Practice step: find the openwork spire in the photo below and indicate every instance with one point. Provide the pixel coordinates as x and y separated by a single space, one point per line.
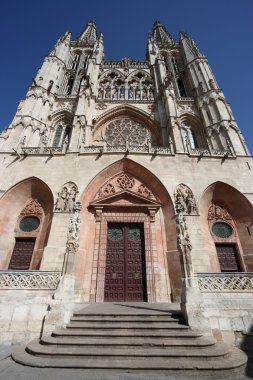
89 35
161 35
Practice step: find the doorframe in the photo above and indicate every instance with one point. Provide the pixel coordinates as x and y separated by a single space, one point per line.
99 259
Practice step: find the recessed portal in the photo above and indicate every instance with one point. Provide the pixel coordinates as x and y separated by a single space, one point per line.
125 276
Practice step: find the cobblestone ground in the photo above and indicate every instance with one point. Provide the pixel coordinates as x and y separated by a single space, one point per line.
9 370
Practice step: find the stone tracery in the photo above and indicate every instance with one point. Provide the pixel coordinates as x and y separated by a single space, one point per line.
120 131
114 85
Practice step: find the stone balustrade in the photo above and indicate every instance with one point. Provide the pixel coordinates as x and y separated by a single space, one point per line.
22 279
154 150
225 282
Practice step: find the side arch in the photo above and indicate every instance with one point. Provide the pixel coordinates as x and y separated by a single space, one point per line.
241 210
11 205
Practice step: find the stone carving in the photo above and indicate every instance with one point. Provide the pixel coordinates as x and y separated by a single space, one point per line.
183 242
101 106
125 182
121 131
72 244
144 191
32 208
106 191
114 85
66 198
185 199
29 280
220 282
216 212
43 139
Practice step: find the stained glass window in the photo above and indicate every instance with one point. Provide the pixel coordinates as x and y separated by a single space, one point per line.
222 230
29 223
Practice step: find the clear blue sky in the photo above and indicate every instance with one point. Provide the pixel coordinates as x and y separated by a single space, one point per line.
223 30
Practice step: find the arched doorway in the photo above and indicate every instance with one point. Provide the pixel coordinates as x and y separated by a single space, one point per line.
127 238
25 218
226 220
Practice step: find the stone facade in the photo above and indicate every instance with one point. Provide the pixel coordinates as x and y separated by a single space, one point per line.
97 142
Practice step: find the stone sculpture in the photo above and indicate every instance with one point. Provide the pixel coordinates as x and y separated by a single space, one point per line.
66 198
185 200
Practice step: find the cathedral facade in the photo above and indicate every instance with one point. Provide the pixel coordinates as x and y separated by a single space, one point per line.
125 181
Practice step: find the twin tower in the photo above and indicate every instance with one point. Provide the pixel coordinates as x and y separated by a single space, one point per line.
120 178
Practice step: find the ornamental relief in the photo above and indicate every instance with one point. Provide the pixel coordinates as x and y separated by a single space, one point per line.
32 208
185 201
123 182
216 212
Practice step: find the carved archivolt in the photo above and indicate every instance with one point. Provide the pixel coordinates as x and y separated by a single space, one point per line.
216 212
185 200
66 197
32 208
125 181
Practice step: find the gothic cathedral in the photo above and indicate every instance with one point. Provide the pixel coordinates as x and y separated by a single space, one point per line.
125 181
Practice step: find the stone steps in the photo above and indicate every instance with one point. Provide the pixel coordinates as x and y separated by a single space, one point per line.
220 350
119 333
127 342
126 325
149 338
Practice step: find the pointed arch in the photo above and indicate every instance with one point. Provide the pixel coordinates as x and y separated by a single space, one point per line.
145 74
235 203
107 73
11 205
130 112
192 131
153 207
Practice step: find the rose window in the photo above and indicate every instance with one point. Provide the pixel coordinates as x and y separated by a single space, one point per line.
119 132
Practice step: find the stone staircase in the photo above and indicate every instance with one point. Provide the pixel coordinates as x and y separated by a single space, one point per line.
133 337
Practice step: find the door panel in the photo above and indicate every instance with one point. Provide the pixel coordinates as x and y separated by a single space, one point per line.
227 257
125 266
22 254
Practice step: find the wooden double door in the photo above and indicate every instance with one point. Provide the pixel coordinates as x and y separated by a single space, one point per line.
125 278
22 254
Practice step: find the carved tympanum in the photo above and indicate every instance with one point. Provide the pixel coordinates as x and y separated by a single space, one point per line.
216 212
33 207
185 200
126 182
66 197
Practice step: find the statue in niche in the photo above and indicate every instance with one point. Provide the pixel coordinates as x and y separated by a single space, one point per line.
43 139
185 200
66 198
61 200
71 198
191 206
